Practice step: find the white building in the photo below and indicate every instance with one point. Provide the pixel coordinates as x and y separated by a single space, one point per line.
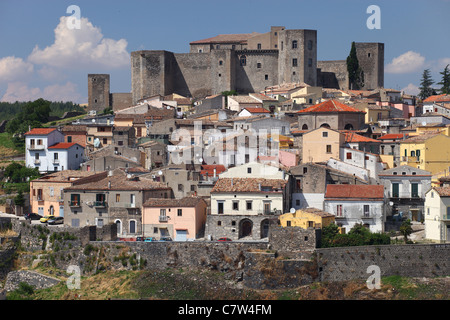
356 204
437 214
46 150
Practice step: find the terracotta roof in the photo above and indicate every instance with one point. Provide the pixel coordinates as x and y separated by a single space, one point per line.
352 137
438 97
443 191
393 136
354 191
74 128
178 203
40 131
317 212
119 181
248 185
208 169
65 176
227 38
64 145
330 106
256 110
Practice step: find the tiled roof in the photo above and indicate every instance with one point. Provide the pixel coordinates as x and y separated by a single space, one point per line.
119 181
317 212
244 99
256 110
208 169
174 203
438 97
40 131
443 191
352 137
65 176
74 128
421 138
330 106
354 191
227 38
393 136
248 185
64 145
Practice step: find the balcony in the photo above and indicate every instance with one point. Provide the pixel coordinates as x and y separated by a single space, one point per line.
130 205
55 161
100 204
37 161
163 218
36 147
446 217
74 203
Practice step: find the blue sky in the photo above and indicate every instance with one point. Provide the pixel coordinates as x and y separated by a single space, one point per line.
40 56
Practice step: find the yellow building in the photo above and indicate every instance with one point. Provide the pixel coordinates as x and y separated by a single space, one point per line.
321 144
307 95
374 113
430 152
307 218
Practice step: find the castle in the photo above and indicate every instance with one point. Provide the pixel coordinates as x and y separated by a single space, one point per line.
242 62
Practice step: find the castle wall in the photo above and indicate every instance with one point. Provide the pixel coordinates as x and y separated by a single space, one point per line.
332 74
371 60
98 92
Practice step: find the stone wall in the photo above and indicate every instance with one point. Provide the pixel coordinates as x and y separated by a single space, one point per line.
294 242
338 264
37 280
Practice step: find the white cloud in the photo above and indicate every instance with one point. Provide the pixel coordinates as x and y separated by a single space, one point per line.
82 48
19 91
13 69
406 63
411 89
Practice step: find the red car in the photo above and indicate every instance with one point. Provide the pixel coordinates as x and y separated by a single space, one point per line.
223 239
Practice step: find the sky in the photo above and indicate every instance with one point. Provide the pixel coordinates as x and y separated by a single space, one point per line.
42 55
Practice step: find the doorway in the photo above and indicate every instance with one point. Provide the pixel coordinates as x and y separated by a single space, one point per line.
245 228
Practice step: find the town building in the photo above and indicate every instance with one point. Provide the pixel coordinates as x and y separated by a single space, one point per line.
437 214
307 218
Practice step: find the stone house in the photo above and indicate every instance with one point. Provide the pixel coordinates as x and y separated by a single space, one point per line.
356 204
113 197
390 147
155 154
243 207
47 192
124 136
109 162
75 134
405 188
330 114
181 219
437 214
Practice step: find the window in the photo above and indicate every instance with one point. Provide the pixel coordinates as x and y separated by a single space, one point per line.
52 192
219 223
258 65
39 194
309 62
349 155
75 199
243 61
325 134
266 207
180 187
288 223
395 190
220 207
69 139
266 77
249 170
328 148
282 45
120 143
55 156
305 170
105 141
117 197
294 62
180 212
310 44
339 210
249 205
366 210
220 62
294 44
235 205
258 46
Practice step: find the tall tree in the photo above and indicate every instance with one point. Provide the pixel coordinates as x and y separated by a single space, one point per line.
355 73
425 85
445 82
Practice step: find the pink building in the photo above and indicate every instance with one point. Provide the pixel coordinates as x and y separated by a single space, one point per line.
179 219
409 110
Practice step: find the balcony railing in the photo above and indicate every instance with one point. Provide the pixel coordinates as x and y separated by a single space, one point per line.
36 147
100 204
74 203
55 161
130 205
163 218
37 161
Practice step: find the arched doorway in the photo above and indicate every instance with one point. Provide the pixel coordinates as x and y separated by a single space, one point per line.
52 210
119 226
245 228
305 127
265 228
325 125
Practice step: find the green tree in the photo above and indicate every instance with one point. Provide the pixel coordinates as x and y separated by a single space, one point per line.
355 73
406 229
19 200
425 85
445 82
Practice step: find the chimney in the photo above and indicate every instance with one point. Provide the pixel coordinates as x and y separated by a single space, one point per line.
215 172
109 184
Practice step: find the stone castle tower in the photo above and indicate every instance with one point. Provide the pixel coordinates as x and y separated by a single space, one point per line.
242 62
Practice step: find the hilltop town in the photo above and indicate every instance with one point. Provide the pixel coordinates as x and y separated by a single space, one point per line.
242 140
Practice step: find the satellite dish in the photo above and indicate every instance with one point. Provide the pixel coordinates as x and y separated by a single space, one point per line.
160 172
292 210
129 176
96 142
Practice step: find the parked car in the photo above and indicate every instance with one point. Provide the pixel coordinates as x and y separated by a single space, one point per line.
32 216
56 220
45 219
165 238
223 239
149 239
140 238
